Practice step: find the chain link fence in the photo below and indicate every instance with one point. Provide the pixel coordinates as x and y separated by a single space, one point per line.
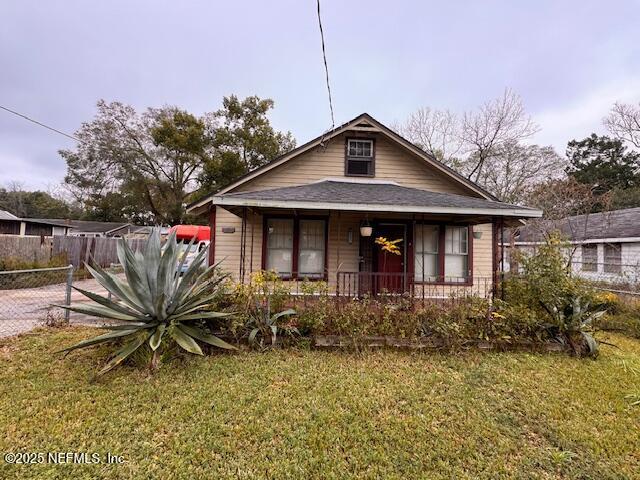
28 298
620 278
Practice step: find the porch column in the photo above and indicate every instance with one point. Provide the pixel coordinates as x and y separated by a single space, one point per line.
212 235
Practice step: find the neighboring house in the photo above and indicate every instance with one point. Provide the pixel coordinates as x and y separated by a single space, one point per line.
315 212
87 228
603 246
12 225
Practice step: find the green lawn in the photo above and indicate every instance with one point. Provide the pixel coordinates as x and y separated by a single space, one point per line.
312 414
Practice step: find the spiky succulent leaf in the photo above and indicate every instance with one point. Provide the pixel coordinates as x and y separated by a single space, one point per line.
107 337
156 338
154 299
205 337
185 341
124 352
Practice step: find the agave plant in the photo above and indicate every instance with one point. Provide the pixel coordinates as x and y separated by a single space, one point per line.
154 302
262 325
574 319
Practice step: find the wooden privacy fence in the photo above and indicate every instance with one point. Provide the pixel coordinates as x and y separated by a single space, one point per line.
81 250
76 250
28 249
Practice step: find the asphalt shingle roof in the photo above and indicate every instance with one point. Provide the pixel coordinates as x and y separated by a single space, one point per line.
614 224
82 225
329 191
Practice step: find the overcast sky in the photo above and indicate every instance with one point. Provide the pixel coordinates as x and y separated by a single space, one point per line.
569 60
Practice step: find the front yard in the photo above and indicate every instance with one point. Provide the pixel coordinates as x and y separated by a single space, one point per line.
313 414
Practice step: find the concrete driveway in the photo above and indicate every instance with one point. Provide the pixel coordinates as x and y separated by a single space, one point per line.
24 309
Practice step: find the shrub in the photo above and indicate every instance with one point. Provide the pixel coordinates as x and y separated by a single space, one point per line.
562 301
624 317
263 325
263 285
154 302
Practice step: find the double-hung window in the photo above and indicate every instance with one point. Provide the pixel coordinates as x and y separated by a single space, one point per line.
441 253
612 258
456 254
359 159
295 248
590 257
311 245
280 246
426 257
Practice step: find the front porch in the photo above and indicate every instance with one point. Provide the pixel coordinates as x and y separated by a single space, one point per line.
437 256
335 231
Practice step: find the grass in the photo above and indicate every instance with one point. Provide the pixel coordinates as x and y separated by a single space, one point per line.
313 414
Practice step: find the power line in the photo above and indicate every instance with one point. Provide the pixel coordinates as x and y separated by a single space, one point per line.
326 68
40 123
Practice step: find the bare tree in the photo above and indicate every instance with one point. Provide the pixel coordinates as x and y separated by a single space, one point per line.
516 169
623 122
435 131
564 198
493 125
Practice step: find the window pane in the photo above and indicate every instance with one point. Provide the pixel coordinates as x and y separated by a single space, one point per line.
312 248
430 263
590 258
427 238
280 245
280 261
456 249
455 267
456 240
359 167
360 148
426 252
612 258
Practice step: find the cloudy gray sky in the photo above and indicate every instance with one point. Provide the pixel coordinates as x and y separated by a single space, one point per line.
569 60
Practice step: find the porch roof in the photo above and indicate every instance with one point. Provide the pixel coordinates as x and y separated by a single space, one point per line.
370 197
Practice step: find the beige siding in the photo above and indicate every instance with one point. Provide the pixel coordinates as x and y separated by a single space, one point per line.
392 163
228 245
341 255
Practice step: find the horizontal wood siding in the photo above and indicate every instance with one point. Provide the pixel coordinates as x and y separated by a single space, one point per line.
341 255
228 245
392 164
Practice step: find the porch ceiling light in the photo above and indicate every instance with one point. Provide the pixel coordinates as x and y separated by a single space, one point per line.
365 229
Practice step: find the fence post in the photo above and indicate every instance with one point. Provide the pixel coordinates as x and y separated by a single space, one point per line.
67 313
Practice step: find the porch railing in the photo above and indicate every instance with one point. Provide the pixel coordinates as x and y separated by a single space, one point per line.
358 284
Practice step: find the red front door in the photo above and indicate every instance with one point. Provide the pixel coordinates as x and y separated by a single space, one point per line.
390 268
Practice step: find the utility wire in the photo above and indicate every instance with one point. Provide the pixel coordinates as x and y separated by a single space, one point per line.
326 68
41 124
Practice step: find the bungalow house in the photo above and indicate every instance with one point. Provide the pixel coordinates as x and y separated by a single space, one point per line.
603 246
316 212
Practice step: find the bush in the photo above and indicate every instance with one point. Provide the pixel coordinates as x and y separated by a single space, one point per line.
453 323
623 317
564 303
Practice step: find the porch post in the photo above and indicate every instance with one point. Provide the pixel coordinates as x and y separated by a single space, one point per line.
243 242
212 234
251 252
494 263
501 264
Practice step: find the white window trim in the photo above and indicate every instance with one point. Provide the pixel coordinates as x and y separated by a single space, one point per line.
363 140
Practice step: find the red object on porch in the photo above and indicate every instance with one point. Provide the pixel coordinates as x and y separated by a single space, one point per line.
186 232
390 266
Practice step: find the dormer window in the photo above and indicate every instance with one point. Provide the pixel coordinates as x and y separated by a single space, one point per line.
359 158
